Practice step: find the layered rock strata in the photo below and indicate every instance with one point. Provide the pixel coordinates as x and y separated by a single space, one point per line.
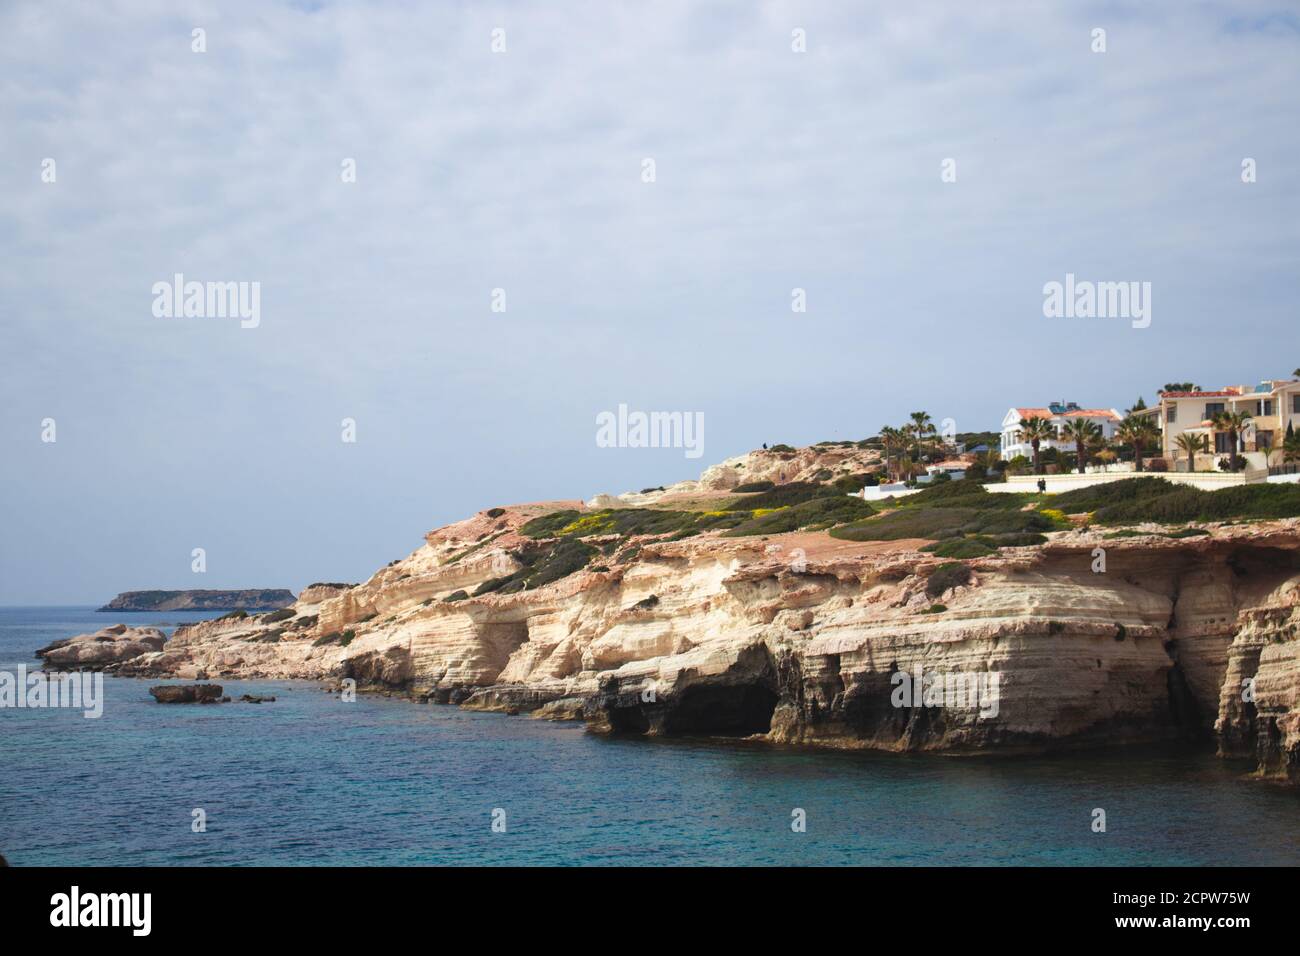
804 639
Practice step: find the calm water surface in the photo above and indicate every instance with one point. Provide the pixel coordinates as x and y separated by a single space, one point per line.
309 779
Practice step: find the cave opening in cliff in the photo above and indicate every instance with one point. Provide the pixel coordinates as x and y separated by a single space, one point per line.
736 710
1256 560
629 720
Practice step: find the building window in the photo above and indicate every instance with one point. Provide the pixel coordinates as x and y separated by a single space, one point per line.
1213 408
1295 404
1264 408
1263 440
1173 414
1223 443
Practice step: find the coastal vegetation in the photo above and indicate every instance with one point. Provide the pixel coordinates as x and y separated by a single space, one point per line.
1154 499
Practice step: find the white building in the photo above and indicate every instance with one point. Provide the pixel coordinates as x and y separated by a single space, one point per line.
1273 407
1058 415
955 470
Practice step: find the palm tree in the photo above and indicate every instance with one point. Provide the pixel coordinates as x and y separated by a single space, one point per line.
1138 431
1083 433
991 459
920 426
1192 443
1180 387
1036 430
1291 448
1234 423
892 438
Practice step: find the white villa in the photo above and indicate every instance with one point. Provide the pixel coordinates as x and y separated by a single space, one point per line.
1058 413
1273 406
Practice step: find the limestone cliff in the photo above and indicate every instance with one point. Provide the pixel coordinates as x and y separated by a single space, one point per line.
802 638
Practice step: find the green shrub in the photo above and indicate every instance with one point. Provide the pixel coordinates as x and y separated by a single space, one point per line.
330 638
961 548
944 548
646 603
455 596
819 513
964 494
947 576
909 523
281 615
938 523
542 565
495 512
796 492
347 637
625 522
754 486
851 484
1136 500
238 615
1014 522
1020 539
1110 493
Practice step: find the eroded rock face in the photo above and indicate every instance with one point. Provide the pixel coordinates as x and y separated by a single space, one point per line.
1259 710
805 639
111 645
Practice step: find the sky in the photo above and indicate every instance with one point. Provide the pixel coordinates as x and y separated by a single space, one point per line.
524 169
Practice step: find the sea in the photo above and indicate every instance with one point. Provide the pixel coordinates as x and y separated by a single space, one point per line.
310 779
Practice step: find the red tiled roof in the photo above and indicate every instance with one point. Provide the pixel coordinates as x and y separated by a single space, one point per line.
1073 413
1219 394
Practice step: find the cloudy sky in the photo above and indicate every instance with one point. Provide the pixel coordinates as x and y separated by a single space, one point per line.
522 170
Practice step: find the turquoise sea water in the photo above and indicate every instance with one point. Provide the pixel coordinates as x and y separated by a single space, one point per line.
309 779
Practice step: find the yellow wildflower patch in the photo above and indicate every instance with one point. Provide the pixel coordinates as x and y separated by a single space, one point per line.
587 524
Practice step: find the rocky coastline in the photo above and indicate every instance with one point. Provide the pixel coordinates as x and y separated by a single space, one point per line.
800 638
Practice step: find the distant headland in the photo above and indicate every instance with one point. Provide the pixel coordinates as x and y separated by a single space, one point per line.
251 599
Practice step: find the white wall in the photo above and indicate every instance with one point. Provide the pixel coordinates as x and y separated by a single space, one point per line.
1206 481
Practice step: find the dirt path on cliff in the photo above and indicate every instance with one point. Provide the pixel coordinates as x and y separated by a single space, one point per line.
820 546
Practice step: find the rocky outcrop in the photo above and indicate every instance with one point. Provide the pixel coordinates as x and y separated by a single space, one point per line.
805 639
186 693
256 599
106 647
779 464
1259 709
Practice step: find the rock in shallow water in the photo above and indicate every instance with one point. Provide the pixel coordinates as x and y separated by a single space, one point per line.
108 646
186 693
